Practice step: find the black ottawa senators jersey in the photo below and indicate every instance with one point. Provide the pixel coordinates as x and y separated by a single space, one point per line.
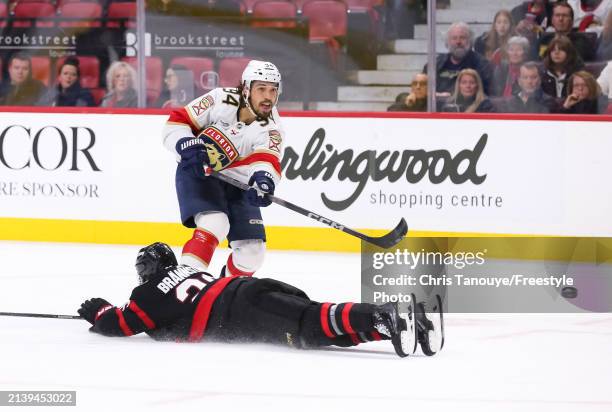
175 305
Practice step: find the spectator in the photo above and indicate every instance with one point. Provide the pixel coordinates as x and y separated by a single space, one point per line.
605 80
416 100
604 45
468 96
584 95
505 76
490 43
120 81
20 89
560 62
68 91
460 56
177 93
530 98
590 14
532 17
562 24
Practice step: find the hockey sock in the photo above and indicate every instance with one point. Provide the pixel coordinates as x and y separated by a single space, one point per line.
343 324
232 270
198 250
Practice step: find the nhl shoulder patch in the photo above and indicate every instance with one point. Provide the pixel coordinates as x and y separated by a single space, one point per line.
219 148
275 140
204 104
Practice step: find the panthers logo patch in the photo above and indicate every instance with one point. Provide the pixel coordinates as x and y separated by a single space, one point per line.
275 140
220 150
203 105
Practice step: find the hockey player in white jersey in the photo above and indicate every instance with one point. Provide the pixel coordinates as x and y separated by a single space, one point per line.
233 131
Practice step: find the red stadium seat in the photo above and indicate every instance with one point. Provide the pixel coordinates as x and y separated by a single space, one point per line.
230 70
89 66
33 10
274 9
203 68
609 111
154 76
248 5
98 93
299 4
84 11
122 10
327 19
41 69
3 14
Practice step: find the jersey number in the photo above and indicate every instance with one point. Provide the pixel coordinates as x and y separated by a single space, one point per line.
190 287
231 100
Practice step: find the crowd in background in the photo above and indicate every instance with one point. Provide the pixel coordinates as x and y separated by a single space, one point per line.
540 57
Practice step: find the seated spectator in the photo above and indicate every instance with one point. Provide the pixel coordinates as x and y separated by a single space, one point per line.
562 24
530 98
605 80
120 82
460 56
560 62
505 76
604 42
20 89
68 90
589 15
416 100
179 87
468 96
496 38
532 17
584 95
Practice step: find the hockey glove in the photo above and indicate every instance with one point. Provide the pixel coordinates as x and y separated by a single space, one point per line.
193 155
261 182
92 309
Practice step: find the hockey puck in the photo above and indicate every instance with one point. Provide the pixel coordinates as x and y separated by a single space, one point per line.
569 292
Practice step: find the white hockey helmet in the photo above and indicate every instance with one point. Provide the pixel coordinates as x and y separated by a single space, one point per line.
262 71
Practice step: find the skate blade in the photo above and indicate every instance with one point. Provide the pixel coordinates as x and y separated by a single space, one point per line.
408 336
435 336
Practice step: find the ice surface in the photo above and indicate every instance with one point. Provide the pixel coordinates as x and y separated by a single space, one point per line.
489 363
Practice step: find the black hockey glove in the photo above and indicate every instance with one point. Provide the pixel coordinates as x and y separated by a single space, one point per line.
193 155
92 309
263 182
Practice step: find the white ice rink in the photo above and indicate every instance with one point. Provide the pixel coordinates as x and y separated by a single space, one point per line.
489 363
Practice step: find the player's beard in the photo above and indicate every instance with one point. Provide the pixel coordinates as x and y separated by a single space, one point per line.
258 113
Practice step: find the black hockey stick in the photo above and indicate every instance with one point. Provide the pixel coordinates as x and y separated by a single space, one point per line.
390 239
39 315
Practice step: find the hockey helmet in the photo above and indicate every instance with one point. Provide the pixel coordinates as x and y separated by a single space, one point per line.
152 259
262 71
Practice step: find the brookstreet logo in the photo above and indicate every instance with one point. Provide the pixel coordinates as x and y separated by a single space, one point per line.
412 164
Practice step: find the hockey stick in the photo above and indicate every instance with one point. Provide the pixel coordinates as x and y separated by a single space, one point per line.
390 239
39 315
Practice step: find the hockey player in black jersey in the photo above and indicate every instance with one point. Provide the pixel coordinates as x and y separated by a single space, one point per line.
178 302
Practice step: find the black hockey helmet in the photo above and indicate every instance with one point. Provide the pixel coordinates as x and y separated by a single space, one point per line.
152 259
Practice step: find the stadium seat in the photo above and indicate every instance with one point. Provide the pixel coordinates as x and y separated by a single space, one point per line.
122 10
299 4
360 5
98 93
41 69
202 68
3 14
327 19
609 111
33 10
154 76
230 70
595 68
81 10
89 67
248 5
274 9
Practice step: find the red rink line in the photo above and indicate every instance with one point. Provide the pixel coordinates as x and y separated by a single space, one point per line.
368 115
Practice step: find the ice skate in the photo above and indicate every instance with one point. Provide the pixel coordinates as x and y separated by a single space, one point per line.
400 327
430 325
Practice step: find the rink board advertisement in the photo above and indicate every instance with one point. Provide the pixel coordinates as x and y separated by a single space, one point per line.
107 178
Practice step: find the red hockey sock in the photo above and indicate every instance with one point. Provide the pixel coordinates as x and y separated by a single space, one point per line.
232 270
201 246
346 319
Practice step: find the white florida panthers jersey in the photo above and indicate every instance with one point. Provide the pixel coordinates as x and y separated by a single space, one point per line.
233 147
